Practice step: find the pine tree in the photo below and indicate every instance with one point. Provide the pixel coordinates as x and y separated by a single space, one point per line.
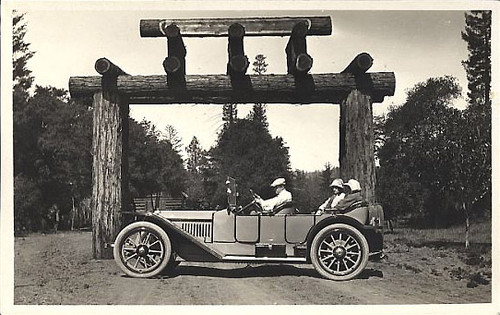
260 65
326 178
259 110
477 34
21 75
472 185
172 136
247 152
194 156
229 114
154 165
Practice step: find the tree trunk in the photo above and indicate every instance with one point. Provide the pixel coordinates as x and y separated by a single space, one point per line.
357 159
73 213
110 112
467 225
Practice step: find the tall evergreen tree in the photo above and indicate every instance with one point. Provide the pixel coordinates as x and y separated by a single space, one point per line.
326 178
24 137
153 163
259 110
22 78
194 156
260 64
477 34
198 171
172 136
472 185
247 152
229 114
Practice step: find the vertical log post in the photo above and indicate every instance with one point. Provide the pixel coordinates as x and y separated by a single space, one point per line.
175 63
237 64
297 60
237 60
110 160
357 157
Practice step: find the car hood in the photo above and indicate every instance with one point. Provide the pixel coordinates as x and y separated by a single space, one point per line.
187 214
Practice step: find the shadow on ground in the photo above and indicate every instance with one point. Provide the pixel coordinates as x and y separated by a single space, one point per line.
250 271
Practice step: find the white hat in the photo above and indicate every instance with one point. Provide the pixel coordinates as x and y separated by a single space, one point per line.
337 183
354 185
278 182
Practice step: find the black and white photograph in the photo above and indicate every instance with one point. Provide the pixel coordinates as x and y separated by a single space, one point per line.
280 156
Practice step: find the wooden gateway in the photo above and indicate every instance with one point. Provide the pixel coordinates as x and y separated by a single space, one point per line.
113 91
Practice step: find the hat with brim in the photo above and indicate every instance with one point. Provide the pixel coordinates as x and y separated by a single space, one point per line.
278 182
353 185
339 183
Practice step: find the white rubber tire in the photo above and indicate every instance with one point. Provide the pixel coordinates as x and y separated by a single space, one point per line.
354 250
162 243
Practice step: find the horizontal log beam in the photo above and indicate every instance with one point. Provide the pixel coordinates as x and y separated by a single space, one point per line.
218 27
217 89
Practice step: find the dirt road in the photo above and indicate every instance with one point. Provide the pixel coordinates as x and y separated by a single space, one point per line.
58 269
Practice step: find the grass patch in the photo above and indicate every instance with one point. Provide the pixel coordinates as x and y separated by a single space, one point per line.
454 236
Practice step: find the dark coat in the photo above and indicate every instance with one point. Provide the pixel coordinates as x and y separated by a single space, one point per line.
348 201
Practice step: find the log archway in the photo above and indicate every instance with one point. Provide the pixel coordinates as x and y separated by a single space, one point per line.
353 89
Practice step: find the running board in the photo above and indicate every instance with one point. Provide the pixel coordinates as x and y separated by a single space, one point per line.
264 259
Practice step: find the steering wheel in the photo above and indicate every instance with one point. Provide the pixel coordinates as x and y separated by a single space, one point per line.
252 203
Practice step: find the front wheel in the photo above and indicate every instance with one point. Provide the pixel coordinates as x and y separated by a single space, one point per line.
142 249
339 252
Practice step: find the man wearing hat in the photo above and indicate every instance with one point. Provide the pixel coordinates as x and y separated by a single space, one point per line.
282 197
337 194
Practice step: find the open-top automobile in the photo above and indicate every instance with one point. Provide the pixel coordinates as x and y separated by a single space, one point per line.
338 245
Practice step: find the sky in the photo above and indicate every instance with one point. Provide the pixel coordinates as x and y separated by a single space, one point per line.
415 45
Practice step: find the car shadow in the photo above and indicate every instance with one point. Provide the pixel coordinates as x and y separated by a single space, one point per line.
370 273
247 271
250 271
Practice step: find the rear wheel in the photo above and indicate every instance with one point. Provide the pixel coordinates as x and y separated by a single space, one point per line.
339 252
142 249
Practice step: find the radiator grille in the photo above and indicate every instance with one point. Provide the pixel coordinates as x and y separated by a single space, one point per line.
198 229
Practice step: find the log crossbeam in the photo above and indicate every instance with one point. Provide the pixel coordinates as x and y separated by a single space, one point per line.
219 27
218 89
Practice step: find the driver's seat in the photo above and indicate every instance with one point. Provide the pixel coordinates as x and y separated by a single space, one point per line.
286 208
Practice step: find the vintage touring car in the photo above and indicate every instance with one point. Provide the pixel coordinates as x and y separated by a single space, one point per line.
337 244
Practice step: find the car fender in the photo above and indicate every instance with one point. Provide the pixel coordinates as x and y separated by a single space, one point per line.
328 221
175 232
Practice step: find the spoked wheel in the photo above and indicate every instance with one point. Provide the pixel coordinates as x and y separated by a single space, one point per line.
142 249
339 252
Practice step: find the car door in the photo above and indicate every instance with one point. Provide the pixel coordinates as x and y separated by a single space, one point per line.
247 228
